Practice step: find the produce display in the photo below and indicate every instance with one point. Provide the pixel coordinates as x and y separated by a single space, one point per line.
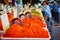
28 26
31 28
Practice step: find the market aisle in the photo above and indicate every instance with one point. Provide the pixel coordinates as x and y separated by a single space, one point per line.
55 33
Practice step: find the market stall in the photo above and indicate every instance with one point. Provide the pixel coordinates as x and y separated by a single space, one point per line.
23 24
30 27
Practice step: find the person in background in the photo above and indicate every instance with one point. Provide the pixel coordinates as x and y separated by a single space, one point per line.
47 15
51 7
49 24
59 10
43 12
55 12
47 9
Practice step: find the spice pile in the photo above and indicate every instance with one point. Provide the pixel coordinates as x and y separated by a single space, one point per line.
31 28
10 17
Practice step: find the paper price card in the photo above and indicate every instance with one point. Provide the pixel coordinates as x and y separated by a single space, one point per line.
5 22
15 13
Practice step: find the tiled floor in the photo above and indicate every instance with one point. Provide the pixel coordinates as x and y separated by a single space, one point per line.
55 33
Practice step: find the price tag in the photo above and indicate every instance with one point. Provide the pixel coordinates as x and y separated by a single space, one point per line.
5 22
15 13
